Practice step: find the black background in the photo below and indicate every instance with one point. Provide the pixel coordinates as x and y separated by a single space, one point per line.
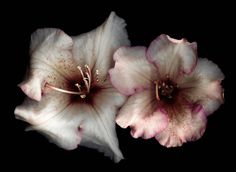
210 26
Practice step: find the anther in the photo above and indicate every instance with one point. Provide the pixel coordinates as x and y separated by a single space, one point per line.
78 86
83 96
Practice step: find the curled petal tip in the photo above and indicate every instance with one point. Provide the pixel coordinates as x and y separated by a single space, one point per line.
29 91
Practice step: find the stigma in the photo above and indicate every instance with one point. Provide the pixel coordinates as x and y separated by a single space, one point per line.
84 87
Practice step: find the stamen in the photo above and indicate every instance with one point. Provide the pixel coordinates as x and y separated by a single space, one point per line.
88 76
63 91
87 82
88 69
78 86
157 95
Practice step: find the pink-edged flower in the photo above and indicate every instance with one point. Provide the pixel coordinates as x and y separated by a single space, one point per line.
171 92
70 98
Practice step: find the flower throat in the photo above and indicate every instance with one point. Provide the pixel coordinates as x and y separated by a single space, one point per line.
83 89
165 89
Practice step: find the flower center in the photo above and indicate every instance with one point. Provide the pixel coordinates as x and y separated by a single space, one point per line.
84 88
165 89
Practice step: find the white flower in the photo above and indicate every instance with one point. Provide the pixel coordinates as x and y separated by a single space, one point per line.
70 98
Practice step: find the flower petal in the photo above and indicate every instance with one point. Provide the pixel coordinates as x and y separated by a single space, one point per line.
206 88
51 116
51 48
187 127
140 112
172 56
67 122
104 106
132 72
96 48
51 61
208 70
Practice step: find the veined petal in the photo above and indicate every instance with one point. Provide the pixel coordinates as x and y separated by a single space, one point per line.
68 122
203 85
132 72
51 62
54 117
96 48
51 48
36 113
172 57
141 113
188 126
104 108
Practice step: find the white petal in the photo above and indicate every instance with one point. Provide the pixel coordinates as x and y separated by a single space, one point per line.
52 117
51 62
51 49
102 127
208 70
172 57
96 48
203 85
132 72
36 113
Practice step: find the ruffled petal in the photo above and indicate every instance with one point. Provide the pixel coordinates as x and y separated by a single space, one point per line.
188 126
68 122
132 72
141 113
96 48
203 85
172 57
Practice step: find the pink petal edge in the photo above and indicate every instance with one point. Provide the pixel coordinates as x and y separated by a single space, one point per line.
132 86
190 129
193 45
